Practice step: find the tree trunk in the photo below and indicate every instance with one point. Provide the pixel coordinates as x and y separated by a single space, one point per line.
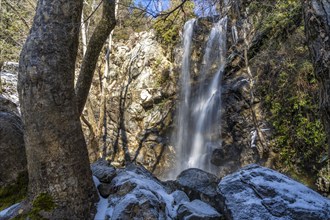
56 151
317 29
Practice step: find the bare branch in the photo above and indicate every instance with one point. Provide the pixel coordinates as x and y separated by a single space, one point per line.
100 35
18 14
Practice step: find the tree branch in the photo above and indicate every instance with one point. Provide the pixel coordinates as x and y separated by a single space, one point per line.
101 33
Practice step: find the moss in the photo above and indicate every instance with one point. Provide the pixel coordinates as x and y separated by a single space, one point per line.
289 92
14 193
43 202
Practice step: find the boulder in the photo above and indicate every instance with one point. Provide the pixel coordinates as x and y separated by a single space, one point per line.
197 210
12 149
137 194
198 184
103 171
255 192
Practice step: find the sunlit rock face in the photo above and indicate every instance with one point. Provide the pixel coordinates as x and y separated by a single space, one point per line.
140 103
145 96
8 85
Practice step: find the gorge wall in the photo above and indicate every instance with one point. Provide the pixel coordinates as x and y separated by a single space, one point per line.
269 97
143 94
269 102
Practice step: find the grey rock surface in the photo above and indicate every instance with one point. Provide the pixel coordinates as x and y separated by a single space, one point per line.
12 149
197 209
103 171
255 192
198 184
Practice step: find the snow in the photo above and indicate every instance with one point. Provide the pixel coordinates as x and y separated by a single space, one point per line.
261 187
143 185
201 208
299 195
253 138
9 84
102 205
8 210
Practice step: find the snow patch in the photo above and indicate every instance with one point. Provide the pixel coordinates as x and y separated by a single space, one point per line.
8 211
102 205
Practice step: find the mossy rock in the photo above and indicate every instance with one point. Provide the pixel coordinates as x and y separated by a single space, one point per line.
14 193
42 203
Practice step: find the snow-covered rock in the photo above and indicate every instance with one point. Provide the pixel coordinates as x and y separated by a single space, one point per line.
103 171
8 212
8 77
135 193
252 193
197 209
256 192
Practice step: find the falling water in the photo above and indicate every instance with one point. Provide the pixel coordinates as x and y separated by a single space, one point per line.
183 125
199 110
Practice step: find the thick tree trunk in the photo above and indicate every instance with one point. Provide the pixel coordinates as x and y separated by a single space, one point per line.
57 156
317 28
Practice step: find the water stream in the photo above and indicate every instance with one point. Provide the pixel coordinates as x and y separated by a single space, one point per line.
199 112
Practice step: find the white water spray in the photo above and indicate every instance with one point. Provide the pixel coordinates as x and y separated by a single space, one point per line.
199 109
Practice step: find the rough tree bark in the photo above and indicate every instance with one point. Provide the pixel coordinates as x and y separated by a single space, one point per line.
317 29
56 151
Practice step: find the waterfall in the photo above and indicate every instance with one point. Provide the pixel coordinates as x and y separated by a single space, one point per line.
182 123
198 117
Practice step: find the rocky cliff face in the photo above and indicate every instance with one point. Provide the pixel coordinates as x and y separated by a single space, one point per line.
267 80
143 96
140 103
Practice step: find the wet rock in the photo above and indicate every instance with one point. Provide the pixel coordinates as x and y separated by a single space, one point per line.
196 210
198 184
105 189
256 192
103 171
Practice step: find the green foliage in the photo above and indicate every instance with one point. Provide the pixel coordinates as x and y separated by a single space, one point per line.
290 90
167 28
131 20
276 18
14 193
15 20
43 202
